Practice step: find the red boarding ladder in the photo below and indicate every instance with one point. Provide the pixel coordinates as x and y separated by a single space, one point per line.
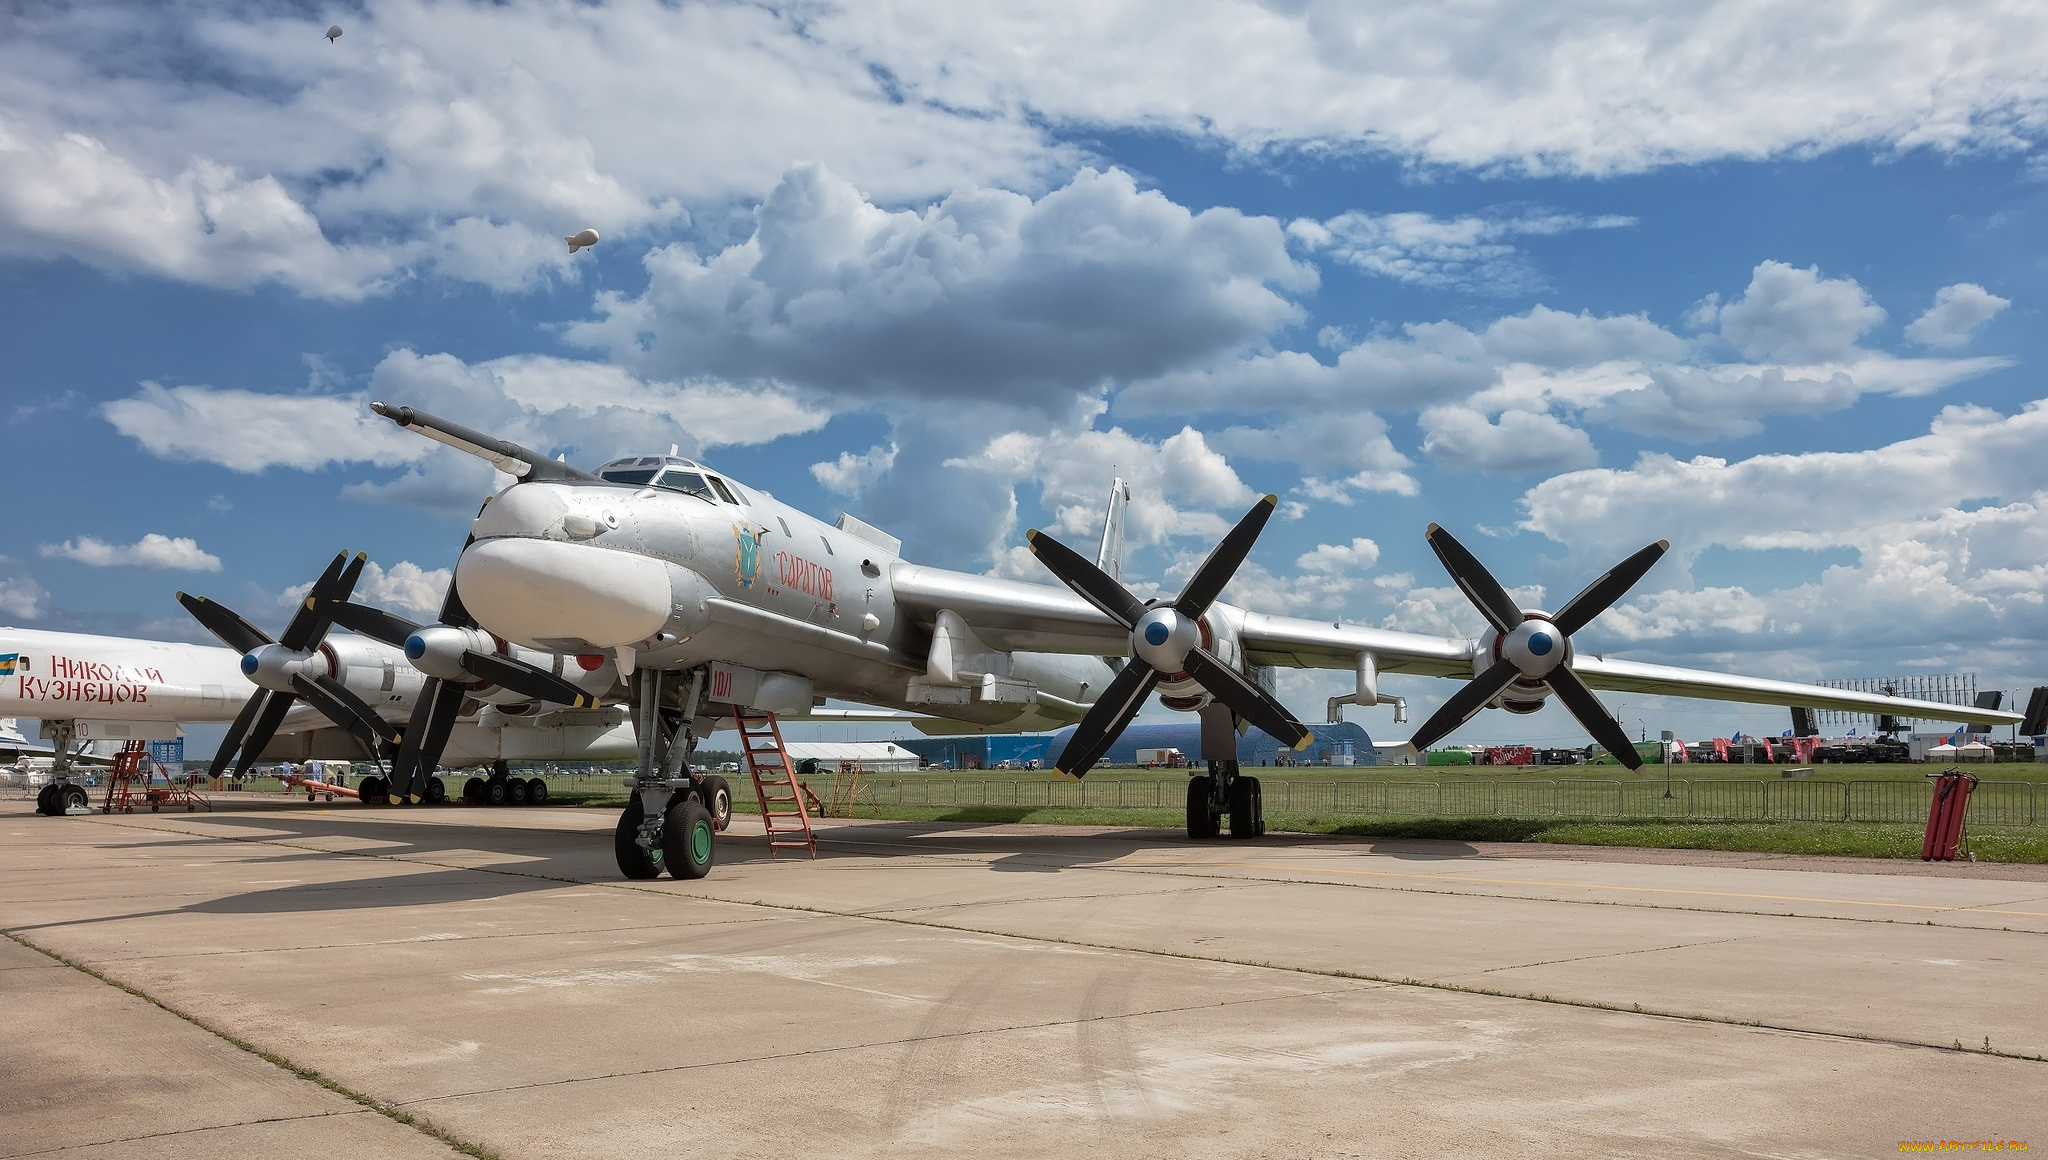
128 785
783 811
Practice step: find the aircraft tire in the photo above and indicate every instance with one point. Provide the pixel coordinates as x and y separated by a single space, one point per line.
44 797
717 797
689 840
634 862
536 791
495 793
1245 808
515 791
1202 821
473 791
436 792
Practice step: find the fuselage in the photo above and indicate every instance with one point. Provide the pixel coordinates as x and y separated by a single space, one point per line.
679 566
59 675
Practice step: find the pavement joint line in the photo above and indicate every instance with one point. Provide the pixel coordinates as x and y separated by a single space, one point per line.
188 1132
1237 884
1189 870
367 1102
901 1041
1426 984
1711 942
1472 881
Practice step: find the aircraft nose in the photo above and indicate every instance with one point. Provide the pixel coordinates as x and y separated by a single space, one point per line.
540 591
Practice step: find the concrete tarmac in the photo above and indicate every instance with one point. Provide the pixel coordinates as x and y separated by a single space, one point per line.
281 978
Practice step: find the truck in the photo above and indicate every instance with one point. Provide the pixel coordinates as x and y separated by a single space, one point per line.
1154 758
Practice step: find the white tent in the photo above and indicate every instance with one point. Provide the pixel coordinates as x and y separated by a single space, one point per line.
1942 752
1974 751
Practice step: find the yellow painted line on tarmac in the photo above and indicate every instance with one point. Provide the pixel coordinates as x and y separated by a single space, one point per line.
1583 886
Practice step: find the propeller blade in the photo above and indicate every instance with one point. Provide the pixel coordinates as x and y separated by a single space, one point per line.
265 728
357 708
374 623
308 623
1463 703
323 696
1594 716
1478 584
452 610
231 742
1247 700
525 679
1223 560
1607 589
1091 583
1113 710
224 623
426 735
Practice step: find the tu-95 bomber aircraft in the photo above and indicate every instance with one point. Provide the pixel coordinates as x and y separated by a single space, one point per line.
714 600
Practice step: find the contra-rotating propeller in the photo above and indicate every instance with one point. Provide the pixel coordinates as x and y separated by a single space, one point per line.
454 654
1534 647
1166 643
282 672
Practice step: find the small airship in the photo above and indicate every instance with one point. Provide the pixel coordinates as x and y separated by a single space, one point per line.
333 30
582 240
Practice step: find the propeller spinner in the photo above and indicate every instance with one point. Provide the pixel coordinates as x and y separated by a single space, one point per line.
284 671
1166 643
1533 647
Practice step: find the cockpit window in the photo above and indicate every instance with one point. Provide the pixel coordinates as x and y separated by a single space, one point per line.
687 482
718 485
628 474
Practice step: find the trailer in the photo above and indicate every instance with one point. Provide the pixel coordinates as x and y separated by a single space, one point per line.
1155 758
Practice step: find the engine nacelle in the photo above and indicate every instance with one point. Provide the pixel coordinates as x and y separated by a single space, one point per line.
272 666
373 671
1220 628
1524 694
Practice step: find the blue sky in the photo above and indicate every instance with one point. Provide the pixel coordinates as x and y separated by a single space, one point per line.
1763 280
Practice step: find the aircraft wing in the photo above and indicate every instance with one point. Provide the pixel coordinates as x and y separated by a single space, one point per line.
1020 616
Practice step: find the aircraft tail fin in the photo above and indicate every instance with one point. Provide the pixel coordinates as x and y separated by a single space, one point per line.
1110 556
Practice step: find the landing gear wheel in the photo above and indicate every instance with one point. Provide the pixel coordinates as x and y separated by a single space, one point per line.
688 840
437 792
46 803
372 791
536 791
634 861
717 798
495 793
1202 819
72 798
515 791
1247 808
473 791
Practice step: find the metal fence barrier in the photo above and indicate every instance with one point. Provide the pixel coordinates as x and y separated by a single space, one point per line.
1994 803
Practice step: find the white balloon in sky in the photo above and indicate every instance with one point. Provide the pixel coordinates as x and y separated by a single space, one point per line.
578 241
333 30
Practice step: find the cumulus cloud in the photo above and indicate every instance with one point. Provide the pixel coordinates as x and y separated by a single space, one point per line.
985 295
1945 529
1473 252
405 585
176 554
852 474
21 598
1792 315
591 411
1957 312
1345 453
250 431
1518 442
1549 88
454 138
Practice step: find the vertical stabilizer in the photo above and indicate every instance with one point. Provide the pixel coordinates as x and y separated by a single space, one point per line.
1110 557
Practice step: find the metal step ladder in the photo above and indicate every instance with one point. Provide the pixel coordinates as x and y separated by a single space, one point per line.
785 814
129 785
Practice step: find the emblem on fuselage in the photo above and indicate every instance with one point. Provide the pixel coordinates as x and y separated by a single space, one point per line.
746 555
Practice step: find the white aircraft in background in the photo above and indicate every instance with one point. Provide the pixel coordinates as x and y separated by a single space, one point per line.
711 598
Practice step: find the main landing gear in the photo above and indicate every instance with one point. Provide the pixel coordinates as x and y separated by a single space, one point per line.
1223 792
674 817
59 798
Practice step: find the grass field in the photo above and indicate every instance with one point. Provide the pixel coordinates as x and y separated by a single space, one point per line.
1896 839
